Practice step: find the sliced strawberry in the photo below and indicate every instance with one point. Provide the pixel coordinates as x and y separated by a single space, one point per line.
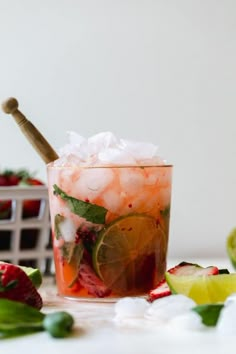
90 281
16 285
161 290
184 268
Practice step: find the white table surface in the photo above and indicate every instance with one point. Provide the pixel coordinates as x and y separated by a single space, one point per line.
97 332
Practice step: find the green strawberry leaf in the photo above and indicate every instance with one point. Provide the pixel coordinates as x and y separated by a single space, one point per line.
209 313
224 271
91 212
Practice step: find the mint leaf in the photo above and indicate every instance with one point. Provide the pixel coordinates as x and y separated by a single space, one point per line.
91 212
72 252
165 212
209 313
18 319
57 220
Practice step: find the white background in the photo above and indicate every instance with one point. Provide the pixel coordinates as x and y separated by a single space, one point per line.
155 70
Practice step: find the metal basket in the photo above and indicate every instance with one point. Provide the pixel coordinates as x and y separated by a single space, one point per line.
26 241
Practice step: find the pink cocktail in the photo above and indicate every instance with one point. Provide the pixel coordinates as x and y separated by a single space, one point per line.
110 228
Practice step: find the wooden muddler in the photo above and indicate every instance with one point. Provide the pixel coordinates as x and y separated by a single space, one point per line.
40 144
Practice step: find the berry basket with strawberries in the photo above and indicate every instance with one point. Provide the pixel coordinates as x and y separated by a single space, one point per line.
25 232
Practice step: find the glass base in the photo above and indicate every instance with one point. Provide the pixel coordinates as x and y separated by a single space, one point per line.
99 300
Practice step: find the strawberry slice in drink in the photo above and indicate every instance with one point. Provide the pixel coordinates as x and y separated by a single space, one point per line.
90 281
184 268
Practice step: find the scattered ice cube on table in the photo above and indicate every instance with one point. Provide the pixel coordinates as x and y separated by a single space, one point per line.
230 299
168 307
189 320
131 307
226 323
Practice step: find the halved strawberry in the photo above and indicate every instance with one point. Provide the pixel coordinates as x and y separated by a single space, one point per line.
16 285
162 289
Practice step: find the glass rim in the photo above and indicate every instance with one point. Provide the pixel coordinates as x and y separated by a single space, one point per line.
49 166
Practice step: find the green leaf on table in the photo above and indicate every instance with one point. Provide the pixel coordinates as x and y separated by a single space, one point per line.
17 318
209 313
91 212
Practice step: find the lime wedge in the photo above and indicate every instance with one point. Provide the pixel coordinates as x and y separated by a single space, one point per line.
128 252
231 247
206 289
34 274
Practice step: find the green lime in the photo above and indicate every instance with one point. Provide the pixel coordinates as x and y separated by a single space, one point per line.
231 247
128 254
205 289
34 274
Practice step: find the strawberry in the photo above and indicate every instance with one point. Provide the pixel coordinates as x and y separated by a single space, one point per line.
10 178
162 289
90 281
31 207
15 285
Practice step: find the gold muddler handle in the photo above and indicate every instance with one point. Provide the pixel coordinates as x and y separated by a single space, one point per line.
44 149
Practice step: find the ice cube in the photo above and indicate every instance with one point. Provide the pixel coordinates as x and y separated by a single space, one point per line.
132 180
112 201
92 182
67 230
103 140
116 156
168 307
189 320
130 307
140 150
105 148
226 323
230 299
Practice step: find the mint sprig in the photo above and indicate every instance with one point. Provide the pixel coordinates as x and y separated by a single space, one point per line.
17 319
91 212
209 313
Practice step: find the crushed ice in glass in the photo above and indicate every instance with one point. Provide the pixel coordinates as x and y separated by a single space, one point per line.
105 149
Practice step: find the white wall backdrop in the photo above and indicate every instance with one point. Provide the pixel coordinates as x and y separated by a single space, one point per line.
156 70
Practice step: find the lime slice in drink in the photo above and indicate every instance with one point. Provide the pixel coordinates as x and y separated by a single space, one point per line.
231 247
206 289
34 274
128 253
